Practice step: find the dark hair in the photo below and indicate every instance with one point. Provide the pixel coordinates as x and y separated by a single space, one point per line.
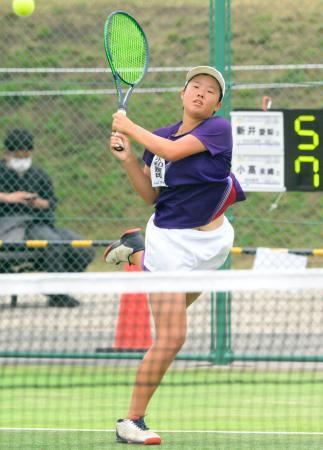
19 139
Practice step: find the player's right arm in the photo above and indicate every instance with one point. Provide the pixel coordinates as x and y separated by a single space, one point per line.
139 176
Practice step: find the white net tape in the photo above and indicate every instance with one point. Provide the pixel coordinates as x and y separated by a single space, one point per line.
269 312
123 282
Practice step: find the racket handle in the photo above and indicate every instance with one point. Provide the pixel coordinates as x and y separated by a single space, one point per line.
119 148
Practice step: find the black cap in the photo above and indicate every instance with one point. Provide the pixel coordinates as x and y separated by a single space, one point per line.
19 139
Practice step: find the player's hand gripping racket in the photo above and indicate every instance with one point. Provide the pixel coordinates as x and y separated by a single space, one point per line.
127 51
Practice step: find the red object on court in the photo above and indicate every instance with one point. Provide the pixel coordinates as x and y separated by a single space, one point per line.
133 331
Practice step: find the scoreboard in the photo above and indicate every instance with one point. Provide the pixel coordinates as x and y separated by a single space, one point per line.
278 150
303 150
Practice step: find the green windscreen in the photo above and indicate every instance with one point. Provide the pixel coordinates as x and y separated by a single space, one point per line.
126 47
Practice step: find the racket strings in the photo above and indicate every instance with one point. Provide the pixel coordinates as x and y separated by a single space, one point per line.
128 48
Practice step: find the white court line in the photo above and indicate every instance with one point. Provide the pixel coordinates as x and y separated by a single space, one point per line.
293 433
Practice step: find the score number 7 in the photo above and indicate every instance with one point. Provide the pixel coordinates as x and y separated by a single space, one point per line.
307 147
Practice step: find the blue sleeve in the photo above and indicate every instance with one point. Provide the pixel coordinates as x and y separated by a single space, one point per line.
215 134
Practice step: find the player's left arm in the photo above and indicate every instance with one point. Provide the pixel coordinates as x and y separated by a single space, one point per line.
169 150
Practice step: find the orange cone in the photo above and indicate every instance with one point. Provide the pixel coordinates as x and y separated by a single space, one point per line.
133 332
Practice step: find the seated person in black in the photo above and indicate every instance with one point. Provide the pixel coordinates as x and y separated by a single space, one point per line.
27 211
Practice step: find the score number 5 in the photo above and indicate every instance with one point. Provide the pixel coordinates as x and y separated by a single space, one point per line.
307 147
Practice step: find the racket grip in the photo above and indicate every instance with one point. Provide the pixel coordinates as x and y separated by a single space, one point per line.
119 148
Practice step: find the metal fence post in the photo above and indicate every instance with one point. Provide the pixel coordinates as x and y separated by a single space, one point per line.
220 46
220 57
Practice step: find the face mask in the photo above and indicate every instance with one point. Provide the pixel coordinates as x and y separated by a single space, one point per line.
20 165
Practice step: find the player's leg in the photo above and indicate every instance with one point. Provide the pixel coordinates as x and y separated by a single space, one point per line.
136 258
169 313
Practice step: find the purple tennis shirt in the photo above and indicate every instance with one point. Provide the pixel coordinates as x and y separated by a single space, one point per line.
200 187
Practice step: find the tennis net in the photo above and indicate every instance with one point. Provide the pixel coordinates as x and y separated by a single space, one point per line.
249 375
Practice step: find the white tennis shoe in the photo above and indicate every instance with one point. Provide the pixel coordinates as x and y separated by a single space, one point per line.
135 432
120 251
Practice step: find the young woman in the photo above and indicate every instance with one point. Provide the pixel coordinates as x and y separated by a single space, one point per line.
187 176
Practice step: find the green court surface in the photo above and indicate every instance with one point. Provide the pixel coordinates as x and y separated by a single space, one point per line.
60 406
100 440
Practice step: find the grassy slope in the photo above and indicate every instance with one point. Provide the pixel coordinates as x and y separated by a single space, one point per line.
71 131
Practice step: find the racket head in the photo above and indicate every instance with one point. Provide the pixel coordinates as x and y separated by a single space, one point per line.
126 47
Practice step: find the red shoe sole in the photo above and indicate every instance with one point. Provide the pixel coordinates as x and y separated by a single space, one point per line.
153 441
133 230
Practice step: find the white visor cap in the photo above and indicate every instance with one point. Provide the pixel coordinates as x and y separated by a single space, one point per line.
207 70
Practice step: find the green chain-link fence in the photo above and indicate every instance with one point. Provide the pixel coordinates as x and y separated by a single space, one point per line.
276 53
56 84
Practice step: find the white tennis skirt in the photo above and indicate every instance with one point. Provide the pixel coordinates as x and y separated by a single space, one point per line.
186 249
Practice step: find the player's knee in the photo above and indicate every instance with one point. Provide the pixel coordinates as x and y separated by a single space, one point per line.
173 343
179 342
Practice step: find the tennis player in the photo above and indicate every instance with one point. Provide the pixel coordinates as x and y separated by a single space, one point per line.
187 177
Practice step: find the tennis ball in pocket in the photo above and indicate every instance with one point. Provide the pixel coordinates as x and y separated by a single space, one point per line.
23 8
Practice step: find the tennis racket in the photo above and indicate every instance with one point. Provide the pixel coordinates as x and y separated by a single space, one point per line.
127 52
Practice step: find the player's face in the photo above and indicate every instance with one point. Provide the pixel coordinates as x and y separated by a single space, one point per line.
201 96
